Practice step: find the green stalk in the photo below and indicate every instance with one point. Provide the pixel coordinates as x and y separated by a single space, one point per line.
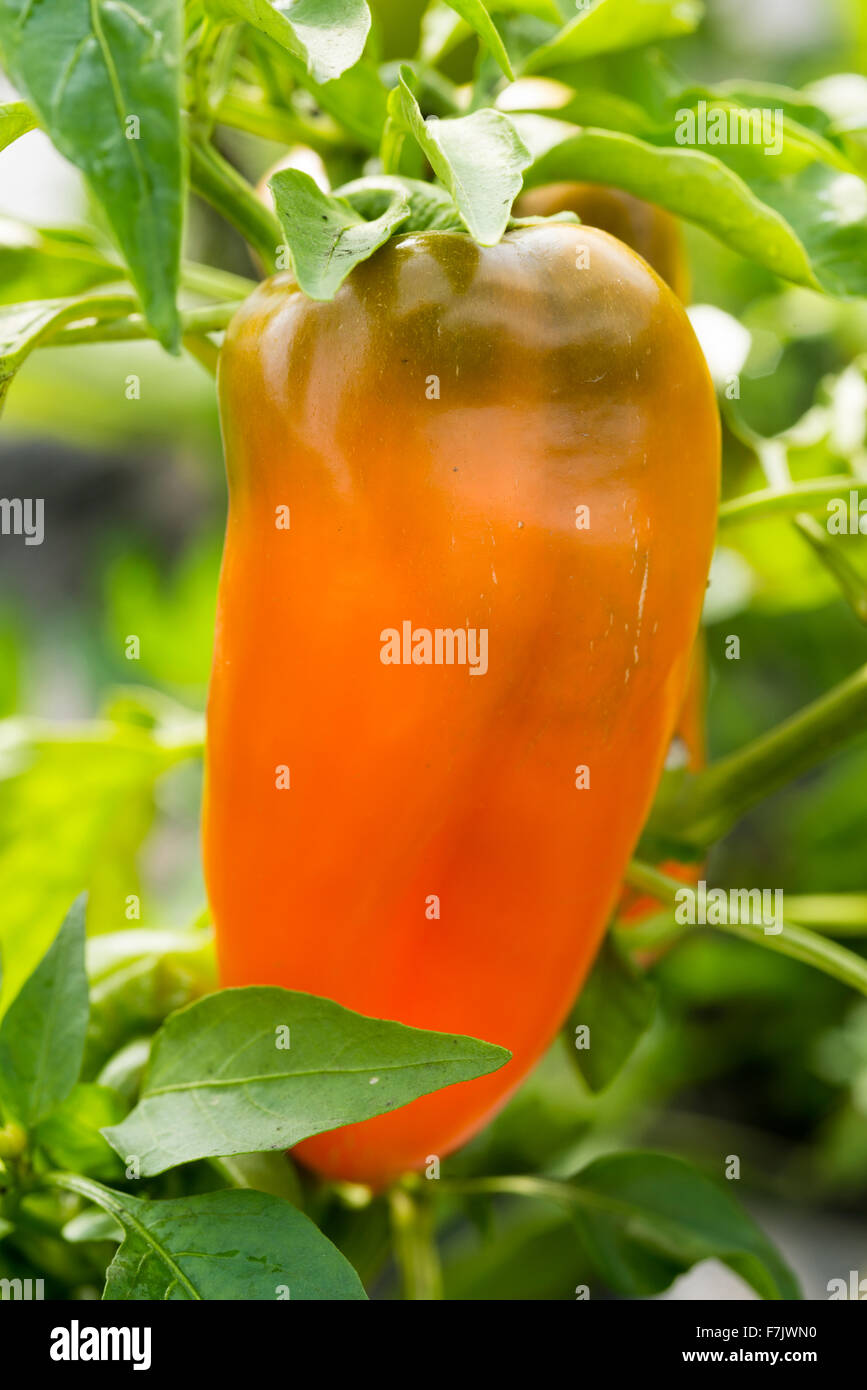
852 586
703 806
788 501
215 284
284 127
215 180
211 318
414 1235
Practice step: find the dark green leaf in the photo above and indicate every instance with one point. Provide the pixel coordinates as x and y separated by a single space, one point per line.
616 1005
104 80
238 1246
657 1216
71 1137
42 1032
251 1093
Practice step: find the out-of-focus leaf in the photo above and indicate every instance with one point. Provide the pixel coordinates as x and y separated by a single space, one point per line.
71 1137
138 978
37 263
76 803
616 1005
615 24
24 326
16 119
42 1032
658 1216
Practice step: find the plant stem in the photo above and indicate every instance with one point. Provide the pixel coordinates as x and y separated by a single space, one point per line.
215 284
204 349
852 586
788 501
211 318
414 1234
703 806
286 127
215 180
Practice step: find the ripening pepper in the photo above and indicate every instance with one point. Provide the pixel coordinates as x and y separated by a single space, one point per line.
651 231
508 455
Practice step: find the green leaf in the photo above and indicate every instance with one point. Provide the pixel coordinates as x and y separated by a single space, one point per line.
24 326
688 182
38 263
252 1094
645 1218
16 119
328 36
70 1135
326 237
91 69
615 24
42 1033
430 207
474 13
76 801
617 1005
237 1246
479 158
138 978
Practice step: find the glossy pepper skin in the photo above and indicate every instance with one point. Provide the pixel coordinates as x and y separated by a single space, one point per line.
434 430
651 231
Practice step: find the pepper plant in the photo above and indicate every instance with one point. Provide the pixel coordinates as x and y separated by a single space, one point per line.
146 1113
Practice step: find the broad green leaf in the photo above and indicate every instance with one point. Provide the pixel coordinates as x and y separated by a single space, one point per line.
328 36
687 181
232 1246
16 119
479 158
615 24
24 326
657 1216
326 237
70 1135
42 1032
262 1068
105 81
616 1005
76 801
39 264
476 15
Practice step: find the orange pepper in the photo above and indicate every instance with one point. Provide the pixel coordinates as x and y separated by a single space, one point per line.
416 840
